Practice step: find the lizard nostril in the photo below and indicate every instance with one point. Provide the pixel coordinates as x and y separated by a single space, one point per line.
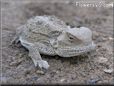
67 23
72 26
78 26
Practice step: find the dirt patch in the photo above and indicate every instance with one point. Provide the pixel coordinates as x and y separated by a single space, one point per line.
17 67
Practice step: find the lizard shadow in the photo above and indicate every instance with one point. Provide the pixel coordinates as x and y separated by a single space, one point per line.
72 60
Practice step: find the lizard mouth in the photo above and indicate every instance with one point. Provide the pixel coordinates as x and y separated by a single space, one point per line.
74 51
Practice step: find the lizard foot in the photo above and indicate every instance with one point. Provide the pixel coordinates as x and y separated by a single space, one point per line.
43 65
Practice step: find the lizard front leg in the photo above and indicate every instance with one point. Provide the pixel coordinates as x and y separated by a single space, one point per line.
36 58
35 55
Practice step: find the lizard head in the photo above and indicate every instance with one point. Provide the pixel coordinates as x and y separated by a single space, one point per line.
76 39
76 36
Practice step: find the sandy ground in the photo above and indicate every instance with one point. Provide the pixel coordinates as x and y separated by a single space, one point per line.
96 68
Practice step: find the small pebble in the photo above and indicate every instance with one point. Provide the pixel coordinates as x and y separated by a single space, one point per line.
62 80
99 82
40 72
110 38
34 78
99 46
14 63
93 81
108 71
104 39
96 33
27 72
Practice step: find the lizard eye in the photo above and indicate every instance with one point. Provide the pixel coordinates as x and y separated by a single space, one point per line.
71 38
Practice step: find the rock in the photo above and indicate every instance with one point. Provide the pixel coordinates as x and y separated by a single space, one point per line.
4 80
93 80
16 63
102 60
108 71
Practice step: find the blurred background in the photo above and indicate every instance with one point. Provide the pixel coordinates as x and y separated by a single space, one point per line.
17 68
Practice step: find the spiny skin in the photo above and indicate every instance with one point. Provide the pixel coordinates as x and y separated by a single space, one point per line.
51 36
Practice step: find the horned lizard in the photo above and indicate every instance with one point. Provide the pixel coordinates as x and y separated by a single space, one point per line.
51 36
